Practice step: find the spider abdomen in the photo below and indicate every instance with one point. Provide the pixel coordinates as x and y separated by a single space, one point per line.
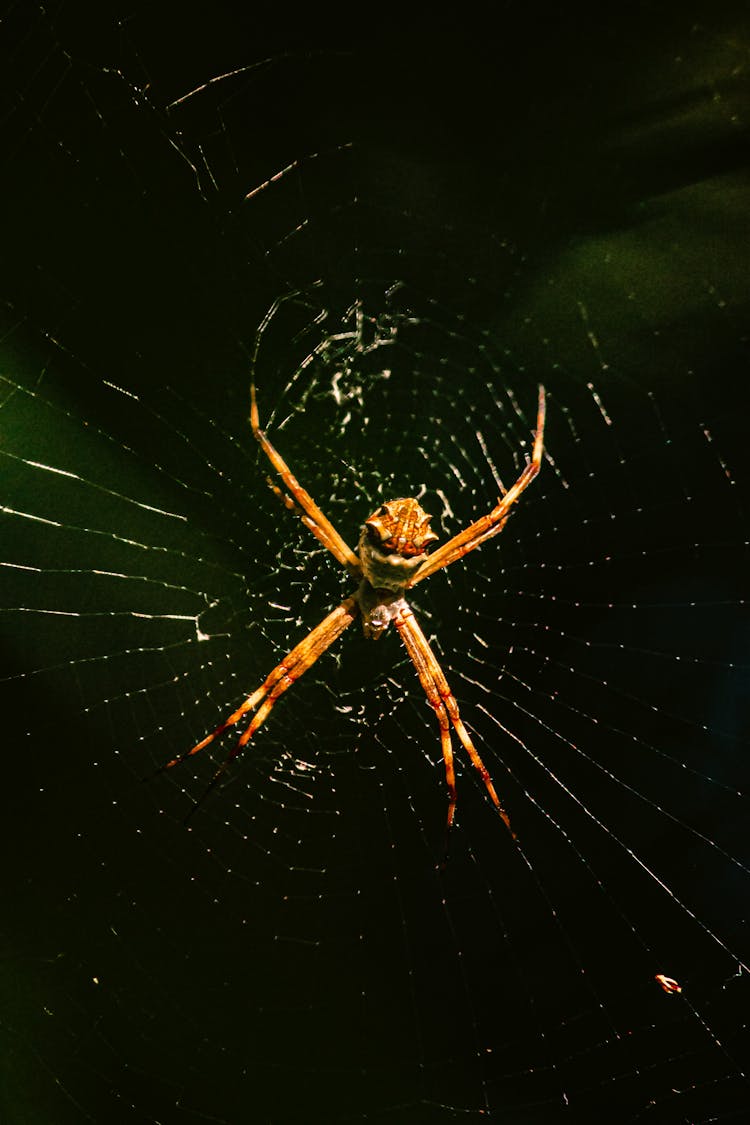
402 526
393 543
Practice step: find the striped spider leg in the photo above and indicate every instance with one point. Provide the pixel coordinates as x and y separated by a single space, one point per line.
494 522
294 665
301 501
391 558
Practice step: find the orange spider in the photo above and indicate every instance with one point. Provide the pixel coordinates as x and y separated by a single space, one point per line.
391 558
669 984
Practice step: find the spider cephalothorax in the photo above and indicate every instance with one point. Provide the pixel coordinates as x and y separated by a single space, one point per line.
393 543
391 557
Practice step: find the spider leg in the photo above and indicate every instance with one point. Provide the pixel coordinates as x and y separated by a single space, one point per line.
463 549
319 533
494 522
313 517
443 702
294 665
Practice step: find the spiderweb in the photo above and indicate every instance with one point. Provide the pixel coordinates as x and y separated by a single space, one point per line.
262 201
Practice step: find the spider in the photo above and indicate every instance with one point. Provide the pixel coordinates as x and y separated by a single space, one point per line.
668 983
391 558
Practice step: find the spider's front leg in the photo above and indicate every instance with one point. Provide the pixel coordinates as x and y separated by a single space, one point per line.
301 501
493 523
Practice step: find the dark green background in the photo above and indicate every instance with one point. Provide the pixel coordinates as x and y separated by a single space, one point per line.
580 169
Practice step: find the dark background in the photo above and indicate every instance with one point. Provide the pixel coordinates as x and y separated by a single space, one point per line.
561 200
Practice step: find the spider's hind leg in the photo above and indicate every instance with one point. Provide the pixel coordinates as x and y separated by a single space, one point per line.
443 701
286 673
